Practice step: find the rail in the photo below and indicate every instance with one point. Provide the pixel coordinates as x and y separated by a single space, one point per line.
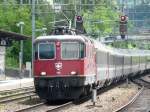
131 101
140 82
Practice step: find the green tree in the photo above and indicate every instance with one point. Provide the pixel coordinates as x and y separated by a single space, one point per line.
103 18
10 15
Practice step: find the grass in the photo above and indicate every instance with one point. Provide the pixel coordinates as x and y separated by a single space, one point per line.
12 62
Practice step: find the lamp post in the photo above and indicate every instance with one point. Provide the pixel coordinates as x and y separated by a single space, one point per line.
21 24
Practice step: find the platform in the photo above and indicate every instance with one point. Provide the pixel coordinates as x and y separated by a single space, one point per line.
14 84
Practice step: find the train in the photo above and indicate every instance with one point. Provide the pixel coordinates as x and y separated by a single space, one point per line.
66 65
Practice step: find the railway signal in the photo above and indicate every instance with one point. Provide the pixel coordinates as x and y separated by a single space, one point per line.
79 25
123 18
123 26
79 19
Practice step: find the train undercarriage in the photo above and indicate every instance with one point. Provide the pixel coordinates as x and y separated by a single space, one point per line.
60 88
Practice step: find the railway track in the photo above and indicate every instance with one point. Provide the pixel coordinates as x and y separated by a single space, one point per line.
46 108
17 94
141 101
15 90
142 82
61 107
39 105
43 107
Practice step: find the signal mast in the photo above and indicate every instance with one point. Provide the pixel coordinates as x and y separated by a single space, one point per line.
79 24
123 26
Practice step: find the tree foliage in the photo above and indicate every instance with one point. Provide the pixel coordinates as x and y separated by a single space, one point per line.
10 15
102 19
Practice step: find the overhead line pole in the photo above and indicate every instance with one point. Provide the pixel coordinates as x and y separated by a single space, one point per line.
21 2
33 32
75 8
20 25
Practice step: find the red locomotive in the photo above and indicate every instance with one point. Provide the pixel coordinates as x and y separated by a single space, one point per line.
64 66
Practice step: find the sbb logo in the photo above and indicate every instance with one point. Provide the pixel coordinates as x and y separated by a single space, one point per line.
58 66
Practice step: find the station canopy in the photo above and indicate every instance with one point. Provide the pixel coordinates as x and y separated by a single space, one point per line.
12 35
7 37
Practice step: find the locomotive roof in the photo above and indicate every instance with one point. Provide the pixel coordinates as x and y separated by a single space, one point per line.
61 37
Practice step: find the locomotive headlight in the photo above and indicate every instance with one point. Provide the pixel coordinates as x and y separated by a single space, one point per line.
73 73
43 73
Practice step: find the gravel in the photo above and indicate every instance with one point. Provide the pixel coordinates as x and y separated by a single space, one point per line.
107 101
12 106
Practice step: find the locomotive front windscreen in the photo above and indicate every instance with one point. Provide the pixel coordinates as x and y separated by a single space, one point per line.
72 50
46 50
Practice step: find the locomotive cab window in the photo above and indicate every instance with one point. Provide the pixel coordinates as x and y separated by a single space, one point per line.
46 51
72 50
81 52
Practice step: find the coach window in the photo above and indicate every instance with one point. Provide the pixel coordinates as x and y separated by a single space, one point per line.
46 51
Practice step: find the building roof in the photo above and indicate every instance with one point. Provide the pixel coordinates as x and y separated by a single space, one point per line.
12 35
